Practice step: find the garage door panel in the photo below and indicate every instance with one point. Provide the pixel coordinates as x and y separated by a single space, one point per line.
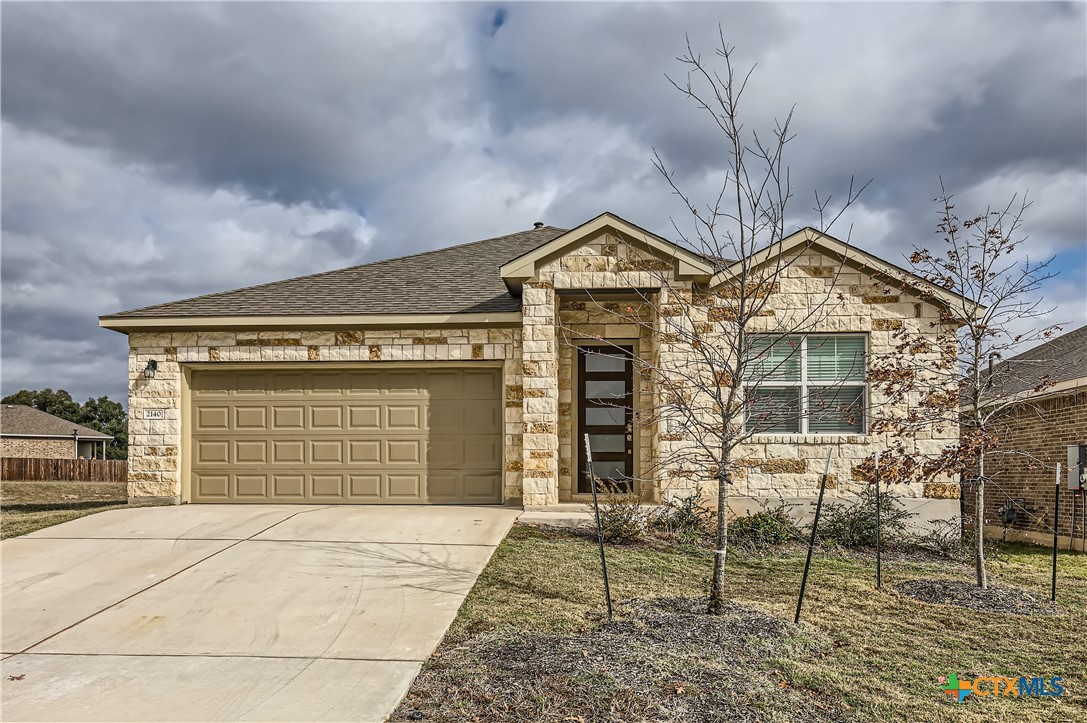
446 417
250 384
288 451
212 419
365 487
290 382
365 451
250 452
443 487
404 383
445 452
404 486
211 385
325 451
385 435
289 486
481 385
288 417
403 417
323 417
364 417
212 451
251 486
480 487
251 418
326 485
212 486
327 383
480 451
404 451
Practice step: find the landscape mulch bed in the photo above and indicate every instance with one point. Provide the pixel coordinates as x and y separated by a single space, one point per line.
968 595
659 660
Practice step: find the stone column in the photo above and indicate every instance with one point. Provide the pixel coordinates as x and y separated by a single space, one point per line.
540 405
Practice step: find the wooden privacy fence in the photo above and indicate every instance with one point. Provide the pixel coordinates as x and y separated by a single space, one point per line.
63 470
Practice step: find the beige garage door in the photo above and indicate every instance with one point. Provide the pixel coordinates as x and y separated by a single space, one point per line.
395 436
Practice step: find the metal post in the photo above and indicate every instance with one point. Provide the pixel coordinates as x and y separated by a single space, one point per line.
811 542
1072 532
1056 526
1083 521
879 574
599 529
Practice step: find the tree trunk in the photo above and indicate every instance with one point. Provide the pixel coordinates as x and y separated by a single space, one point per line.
979 525
717 585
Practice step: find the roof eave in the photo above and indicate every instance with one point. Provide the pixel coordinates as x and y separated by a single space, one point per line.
128 324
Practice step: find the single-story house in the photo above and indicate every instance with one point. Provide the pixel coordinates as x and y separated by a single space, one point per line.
1033 438
467 375
29 432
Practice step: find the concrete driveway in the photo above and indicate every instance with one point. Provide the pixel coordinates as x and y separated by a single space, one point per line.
239 612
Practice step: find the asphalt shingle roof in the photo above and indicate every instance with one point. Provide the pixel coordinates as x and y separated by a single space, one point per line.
1062 359
455 280
18 420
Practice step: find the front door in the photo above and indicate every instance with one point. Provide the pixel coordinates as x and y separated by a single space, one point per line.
605 407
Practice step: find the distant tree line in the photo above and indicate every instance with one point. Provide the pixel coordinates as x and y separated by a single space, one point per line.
101 414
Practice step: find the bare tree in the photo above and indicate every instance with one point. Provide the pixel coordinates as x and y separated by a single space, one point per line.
725 355
966 385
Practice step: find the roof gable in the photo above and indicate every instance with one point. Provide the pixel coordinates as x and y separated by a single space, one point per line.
810 238
19 420
686 263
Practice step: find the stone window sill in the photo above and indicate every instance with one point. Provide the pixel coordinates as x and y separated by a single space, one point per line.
810 439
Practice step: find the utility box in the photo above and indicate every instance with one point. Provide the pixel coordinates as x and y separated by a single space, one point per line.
1077 466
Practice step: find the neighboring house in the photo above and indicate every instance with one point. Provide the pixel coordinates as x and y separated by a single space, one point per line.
29 432
452 376
1034 438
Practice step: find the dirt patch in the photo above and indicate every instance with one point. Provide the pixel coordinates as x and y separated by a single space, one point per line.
1010 600
659 660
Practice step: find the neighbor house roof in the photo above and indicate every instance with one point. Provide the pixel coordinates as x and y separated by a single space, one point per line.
1062 360
18 420
455 280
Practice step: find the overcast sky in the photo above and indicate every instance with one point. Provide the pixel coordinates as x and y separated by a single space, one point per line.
157 151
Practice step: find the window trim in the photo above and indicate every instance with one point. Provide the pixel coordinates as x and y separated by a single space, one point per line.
804 384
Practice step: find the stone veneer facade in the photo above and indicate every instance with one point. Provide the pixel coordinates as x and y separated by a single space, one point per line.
538 360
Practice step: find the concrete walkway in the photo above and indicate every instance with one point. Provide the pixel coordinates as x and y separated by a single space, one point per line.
239 612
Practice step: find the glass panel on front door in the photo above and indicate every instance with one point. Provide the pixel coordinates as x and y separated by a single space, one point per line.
605 408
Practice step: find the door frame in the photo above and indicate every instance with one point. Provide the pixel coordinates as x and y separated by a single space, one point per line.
576 444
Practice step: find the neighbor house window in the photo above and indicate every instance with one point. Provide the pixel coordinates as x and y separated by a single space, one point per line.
810 384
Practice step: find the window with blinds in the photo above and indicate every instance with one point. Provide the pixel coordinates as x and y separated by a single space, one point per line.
811 384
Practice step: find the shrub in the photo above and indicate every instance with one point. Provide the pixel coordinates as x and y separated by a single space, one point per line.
622 516
768 527
853 523
684 519
944 538
947 539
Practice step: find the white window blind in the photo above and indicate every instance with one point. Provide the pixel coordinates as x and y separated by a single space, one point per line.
807 384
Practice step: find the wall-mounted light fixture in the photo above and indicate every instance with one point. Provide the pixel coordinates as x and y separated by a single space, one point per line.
150 369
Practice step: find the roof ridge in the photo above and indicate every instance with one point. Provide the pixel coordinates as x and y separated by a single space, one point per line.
216 294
